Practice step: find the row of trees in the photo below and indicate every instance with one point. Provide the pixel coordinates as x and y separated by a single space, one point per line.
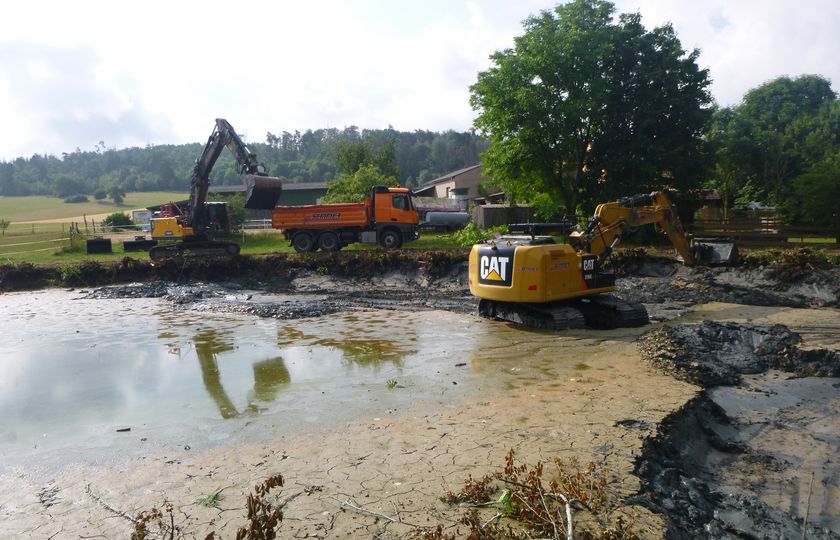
589 106
312 156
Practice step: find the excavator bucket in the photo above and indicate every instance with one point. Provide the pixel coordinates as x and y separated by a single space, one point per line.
711 252
262 192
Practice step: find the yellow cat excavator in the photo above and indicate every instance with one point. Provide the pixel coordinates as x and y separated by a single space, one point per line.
529 279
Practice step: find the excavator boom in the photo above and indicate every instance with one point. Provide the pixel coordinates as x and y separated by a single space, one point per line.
614 219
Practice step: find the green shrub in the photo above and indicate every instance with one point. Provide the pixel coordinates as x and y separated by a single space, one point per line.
471 234
77 245
76 199
118 219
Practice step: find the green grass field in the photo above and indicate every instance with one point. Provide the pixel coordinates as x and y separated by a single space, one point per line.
42 248
36 208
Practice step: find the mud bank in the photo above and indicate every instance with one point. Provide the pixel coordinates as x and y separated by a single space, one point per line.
273 271
438 278
745 461
657 280
307 293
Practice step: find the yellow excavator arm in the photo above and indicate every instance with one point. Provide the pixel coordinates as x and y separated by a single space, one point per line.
613 219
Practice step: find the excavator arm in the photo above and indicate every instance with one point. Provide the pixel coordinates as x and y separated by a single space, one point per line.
614 219
223 136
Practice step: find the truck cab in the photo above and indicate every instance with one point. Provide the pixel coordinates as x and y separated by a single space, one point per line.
393 208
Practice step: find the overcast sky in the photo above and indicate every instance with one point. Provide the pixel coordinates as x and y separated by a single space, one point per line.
156 72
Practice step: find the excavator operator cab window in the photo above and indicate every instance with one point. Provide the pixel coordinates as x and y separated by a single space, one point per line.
400 202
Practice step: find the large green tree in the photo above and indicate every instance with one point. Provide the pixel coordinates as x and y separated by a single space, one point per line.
587 105
776 113
356 186
818 192
780 146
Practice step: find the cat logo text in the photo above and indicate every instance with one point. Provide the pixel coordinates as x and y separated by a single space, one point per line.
495 267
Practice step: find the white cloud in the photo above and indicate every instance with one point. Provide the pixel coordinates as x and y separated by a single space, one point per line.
160 72
749 42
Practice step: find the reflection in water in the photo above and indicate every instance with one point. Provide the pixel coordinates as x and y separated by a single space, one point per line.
207 345
355 346
58 385
269 375
367 351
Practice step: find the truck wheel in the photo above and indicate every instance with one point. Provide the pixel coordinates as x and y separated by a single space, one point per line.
390 239
328 241
303 242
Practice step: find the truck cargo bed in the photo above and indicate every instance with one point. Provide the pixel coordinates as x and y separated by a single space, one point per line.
320 216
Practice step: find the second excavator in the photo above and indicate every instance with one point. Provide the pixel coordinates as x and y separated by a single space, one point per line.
197 226
531 280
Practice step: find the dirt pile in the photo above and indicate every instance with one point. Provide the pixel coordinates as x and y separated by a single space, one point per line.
731 462
437 278
229 297
793 278
718 353
682 469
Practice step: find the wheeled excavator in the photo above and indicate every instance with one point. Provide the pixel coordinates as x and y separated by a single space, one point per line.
196 227
531 280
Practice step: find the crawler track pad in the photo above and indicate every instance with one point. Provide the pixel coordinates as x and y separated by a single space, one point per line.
540 316
193 249
606 312
601 312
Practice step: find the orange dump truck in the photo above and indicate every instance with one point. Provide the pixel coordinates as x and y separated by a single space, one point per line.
387 218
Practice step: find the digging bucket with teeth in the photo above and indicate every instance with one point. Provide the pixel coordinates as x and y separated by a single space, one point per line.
262 192
715 252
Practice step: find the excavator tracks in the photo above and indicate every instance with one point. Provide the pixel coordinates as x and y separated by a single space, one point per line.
605 312
555 316
602 312
194 249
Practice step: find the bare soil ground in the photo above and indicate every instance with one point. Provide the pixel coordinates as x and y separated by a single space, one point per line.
701 447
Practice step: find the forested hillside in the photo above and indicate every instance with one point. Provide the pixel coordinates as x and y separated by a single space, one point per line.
297 157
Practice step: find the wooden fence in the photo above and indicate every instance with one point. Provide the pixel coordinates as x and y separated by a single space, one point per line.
764 231
491 215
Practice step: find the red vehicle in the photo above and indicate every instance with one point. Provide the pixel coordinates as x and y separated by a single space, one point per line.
387 218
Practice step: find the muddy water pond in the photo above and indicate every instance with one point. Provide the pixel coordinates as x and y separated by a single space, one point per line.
129 374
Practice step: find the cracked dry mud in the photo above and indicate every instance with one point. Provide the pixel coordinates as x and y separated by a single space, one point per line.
585 394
